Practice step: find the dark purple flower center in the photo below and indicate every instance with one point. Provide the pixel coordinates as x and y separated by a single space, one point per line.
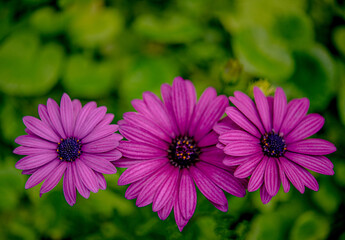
273 145
183 152
69 149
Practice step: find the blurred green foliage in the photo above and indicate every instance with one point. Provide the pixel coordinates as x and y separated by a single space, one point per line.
112 51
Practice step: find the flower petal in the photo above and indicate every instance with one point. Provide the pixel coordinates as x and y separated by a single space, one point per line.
279 108
283 178
87 175
35 142
53 179
112 155
208 140
55 117
69 186
100 132
309 125
291 170
223 179
34 161
166 190
237 135
225 125
248 166
180 220
237 148
41 129
82 118
23 150
41 173
94 117
44 115
102 145
187 195
98 164
236 116
79 184
264 195
263 108
166 210
140 150
319 164
257 178
102 184
296 110
211 191
312 147
141 170
67 114
272 179
134 189
248 108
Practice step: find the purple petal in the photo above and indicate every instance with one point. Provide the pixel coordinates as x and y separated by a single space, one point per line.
248 108
22 150
102 145
237 148
166 91
107 119
54 178
67 115
209 139
152 184
263 108
41 174
234 161
29 171
279 108
310 125
181 103
187 195
112 155
257 178
283 178
35 142
211 116
180 220
223 179
139 120
102 184
94 118
86 175
127 162
44 115
237 135
206 98
101 132
296 110
137 134
291 170
98 164
166 190
308 179
264 195
272 179
242 121
76 108
134 189
214 157
141 107
212 192
166 210
312 146
69 186
225 125
140 150
83 117
40 129
141 170
158 112
248 166
55 117
78 182
319 164
34 161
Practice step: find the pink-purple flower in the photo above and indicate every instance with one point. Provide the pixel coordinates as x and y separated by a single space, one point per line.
74 142
171 148
268 141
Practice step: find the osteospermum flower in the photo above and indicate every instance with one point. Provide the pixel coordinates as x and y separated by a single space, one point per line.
171 147
72 141
267 141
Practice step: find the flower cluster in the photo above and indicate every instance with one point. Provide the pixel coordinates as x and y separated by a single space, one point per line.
174 146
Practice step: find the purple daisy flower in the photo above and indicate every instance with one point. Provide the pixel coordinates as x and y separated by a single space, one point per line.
171 147
72 141
266 140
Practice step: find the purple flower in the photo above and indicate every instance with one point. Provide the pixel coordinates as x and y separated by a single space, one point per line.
171 147
72 141
266 140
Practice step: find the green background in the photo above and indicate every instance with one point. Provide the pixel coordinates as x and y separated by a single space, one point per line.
112 51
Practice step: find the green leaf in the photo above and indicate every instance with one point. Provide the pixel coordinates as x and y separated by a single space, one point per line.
328 197
339 38
28 68
169 28
341 92
86 78
310 226
47 21
262 56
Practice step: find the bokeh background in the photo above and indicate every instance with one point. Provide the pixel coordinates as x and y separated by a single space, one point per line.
111 51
